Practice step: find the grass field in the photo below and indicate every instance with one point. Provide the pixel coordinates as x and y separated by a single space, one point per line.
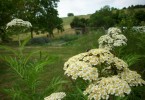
58 55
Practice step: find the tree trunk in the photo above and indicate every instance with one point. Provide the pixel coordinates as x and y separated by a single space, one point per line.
51 34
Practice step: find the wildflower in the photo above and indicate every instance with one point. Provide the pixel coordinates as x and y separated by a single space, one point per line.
113 30
18 22
84 65
105 41
83 70
56 96
119 64
132 77
107 86
112 39
102 56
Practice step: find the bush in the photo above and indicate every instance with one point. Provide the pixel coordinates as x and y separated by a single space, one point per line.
70 14
39 40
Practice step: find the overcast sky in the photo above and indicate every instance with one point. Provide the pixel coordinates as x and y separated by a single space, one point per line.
83 7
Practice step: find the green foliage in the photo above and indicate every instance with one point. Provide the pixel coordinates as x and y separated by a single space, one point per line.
42 14
137 93
76 91
54 85
131 59
47 16
102 18
5 17
86 42
79 23
136 6
107 17
139 16
28 72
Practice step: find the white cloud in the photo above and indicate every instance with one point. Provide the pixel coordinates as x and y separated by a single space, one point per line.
82 7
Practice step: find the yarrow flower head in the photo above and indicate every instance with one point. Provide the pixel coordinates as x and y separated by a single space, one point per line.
18 22
119 63
112 39
114 30
132 77
107 86
105 42
56 96
83 70
107 74
84 65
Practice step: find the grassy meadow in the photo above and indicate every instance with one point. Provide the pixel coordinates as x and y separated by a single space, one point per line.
59 50
64 46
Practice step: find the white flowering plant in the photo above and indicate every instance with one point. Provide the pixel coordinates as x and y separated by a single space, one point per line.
18 26
112 39
106 75
55 96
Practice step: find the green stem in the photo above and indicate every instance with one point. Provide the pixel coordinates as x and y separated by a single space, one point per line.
19 40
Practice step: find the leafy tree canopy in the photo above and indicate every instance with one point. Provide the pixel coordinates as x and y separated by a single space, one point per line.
41 13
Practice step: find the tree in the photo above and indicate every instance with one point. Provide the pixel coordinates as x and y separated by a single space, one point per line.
79 23
127 19
70 14
47 16
102 18
139 16
10 9
42 14
6 12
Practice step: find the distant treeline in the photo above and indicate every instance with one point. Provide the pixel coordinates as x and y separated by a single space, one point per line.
135 6
109 17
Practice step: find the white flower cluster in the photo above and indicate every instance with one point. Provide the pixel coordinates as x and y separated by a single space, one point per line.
82 69
114 38
105 42
120 64
82 64
18 22
139 28
107 86
113 30
56 96
93 64
132 78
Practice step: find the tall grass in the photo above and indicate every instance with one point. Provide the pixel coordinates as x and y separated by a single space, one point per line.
27 69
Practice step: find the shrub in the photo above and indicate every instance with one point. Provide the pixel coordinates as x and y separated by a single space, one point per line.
69 37
39 40
70 14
